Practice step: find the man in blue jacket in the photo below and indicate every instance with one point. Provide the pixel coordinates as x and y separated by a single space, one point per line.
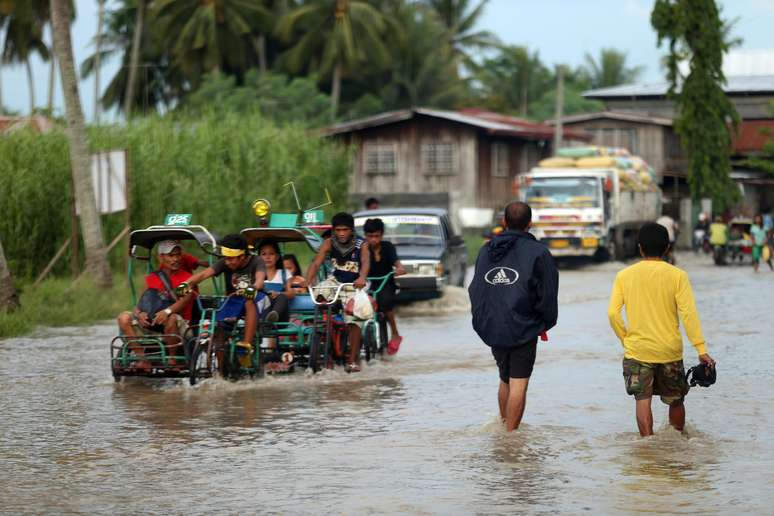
513 298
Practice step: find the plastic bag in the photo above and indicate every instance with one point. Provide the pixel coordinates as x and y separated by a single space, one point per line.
361 306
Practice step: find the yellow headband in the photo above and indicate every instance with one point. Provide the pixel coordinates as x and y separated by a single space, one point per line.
231 253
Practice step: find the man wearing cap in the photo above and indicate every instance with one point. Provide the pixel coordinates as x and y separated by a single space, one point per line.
172 320
244 276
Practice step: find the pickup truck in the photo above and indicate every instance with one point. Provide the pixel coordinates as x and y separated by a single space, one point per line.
433 254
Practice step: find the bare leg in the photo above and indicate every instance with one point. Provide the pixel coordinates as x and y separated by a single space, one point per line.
644 417
251 320
128 330
354 344
171 342
517 400
390 314
502 398
677 415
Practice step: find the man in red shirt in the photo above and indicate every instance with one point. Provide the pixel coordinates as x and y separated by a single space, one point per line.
172 320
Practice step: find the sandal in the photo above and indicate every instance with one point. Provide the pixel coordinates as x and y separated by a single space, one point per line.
394 345
352 368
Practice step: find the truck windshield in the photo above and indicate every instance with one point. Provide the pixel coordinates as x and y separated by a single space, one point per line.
409 229
575 192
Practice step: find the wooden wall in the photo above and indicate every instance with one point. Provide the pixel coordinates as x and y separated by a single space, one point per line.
650 139
409 175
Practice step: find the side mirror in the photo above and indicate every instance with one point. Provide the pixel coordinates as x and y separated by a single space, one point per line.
456 240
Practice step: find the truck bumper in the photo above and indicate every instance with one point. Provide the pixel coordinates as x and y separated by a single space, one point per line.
573 251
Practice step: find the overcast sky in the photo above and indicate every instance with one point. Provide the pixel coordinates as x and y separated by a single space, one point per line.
562 31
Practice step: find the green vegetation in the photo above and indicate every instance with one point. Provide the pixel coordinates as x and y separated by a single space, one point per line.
697 35
56 302
213 166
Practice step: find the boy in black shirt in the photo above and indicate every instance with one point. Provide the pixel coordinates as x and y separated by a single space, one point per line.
384 259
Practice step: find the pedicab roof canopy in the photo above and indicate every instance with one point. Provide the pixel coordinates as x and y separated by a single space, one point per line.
150 236
283 235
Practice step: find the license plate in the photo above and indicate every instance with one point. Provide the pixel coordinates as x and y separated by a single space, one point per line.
558 244
590 242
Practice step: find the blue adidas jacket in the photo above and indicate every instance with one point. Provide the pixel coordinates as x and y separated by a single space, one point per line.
514 290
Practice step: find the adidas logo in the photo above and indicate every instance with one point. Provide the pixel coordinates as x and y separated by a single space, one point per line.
501 276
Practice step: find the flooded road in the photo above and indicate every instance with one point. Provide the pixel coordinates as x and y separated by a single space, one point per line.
415 434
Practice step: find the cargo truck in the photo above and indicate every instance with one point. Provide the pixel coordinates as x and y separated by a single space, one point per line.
587 210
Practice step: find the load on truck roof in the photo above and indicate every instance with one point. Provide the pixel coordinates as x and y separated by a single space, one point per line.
633 172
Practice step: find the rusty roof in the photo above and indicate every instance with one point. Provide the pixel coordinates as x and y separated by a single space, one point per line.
493 123
40 124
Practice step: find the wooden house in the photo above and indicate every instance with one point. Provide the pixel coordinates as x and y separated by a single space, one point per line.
450 159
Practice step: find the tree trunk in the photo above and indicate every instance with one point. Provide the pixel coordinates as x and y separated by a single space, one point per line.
134 60
97 88
31 82
91 227
51 85
9 299
335 91
260 45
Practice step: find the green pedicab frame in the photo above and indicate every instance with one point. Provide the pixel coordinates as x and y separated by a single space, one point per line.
122 356
298 336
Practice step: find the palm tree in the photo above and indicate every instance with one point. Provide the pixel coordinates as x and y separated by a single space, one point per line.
91 227
24 37
97 56
159 84
460 21
422 72
9 299
333 37
134 62
610 69
211 36
513 79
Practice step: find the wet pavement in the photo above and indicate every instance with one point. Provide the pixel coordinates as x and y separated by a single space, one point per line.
418 433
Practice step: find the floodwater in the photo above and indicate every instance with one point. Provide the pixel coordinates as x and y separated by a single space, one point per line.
415 434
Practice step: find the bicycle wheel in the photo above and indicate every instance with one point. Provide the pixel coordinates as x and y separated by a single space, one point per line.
369 340
382 340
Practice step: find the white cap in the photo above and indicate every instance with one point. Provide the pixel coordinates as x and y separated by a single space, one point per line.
167 246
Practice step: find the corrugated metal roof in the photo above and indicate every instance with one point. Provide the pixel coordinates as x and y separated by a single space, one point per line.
735 85
749 62
615 115
493 123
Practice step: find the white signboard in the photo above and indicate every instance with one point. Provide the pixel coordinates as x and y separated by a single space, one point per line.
108 177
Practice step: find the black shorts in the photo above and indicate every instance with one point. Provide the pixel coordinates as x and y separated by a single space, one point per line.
515 362
385 299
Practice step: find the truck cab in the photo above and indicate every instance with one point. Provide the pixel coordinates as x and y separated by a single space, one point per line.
570 209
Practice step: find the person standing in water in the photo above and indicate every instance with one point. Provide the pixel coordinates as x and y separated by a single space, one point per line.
513 299
654 293
760 239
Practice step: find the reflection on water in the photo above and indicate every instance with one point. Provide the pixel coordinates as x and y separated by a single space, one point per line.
418 433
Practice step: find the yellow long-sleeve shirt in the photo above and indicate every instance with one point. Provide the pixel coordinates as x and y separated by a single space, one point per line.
653 294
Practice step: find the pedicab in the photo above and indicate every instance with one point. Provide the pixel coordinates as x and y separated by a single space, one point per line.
162 355
296 341
740 242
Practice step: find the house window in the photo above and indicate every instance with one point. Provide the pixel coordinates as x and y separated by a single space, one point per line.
379 157
500 160
439 158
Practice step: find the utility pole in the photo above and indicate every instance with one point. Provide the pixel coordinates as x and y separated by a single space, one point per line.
559 108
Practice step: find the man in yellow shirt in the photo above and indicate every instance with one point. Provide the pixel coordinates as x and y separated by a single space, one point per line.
654 293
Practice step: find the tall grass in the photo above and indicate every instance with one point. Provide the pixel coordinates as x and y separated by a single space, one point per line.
212 166
56 302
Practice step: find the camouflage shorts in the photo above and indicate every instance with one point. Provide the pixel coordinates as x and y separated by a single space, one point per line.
643 380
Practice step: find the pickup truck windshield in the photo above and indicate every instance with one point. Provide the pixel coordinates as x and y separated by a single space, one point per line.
570 192
409 229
